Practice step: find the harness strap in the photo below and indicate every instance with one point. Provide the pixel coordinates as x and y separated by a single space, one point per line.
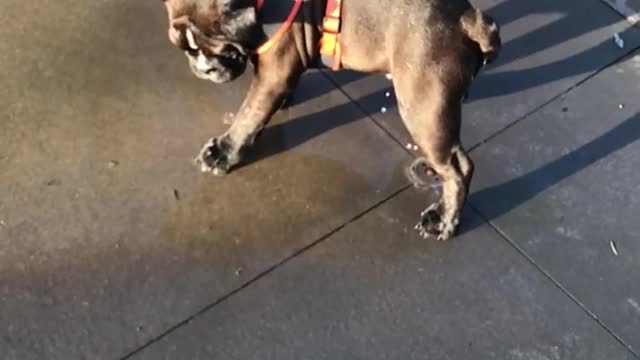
330 49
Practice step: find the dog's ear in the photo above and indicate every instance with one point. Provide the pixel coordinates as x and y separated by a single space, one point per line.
181 35
238 19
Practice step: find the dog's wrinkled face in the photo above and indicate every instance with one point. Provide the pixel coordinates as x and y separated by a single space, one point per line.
214 34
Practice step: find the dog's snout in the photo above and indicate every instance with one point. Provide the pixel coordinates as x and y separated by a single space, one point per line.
207 65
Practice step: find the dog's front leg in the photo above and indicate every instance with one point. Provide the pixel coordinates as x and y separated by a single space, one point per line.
265 97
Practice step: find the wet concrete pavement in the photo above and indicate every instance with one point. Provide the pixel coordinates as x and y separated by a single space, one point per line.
113 246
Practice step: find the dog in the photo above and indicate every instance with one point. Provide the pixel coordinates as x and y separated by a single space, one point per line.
430 49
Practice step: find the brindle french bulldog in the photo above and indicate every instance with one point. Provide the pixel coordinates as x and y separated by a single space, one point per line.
432 50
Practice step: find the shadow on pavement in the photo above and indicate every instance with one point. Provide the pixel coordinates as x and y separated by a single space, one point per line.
511 194
285 135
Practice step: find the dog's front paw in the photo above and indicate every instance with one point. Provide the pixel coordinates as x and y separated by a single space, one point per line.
217 157
432 224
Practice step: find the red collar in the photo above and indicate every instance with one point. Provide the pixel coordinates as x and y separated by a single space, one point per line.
330 49
283 29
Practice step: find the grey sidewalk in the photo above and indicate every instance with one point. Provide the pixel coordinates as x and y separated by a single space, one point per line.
113 246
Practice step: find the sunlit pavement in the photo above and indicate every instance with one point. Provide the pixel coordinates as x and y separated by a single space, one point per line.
114 246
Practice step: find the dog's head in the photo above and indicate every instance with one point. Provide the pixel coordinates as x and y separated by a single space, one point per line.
216 35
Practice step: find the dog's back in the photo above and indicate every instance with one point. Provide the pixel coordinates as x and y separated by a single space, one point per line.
435 29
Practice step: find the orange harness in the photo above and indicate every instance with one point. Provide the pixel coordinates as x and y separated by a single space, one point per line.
329 45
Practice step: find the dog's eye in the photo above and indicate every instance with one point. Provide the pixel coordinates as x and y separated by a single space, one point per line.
187 48
230 52
191 52
232 55
208 52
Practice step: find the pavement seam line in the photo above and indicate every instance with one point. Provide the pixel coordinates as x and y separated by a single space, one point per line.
499 131
555 282
490 223
321 239
510 241
290 257
493 136
366 113
627 18
264 273
553 99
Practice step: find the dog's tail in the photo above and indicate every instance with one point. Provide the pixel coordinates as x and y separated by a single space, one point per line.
484 31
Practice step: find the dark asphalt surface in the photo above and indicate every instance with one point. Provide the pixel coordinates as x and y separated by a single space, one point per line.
114 246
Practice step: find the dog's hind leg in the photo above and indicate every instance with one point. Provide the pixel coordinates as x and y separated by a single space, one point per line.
431 111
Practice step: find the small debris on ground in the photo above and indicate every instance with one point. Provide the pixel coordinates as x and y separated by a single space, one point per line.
614 247
176 194
53 182
140 328
228 118
618 40
2 223
239 271
388 76
112 164
387 94
621 106
384 109
565 109
413 147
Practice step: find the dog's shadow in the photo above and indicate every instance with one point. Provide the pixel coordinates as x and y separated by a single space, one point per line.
286 134
498 200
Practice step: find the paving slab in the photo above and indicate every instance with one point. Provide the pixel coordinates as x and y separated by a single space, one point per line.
108 234
375 291
549 46
563 185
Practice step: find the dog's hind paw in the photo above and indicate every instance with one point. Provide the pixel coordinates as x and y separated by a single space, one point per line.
432 224
447 232
216 157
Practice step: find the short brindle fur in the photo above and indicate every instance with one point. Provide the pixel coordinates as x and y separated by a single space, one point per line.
432 48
